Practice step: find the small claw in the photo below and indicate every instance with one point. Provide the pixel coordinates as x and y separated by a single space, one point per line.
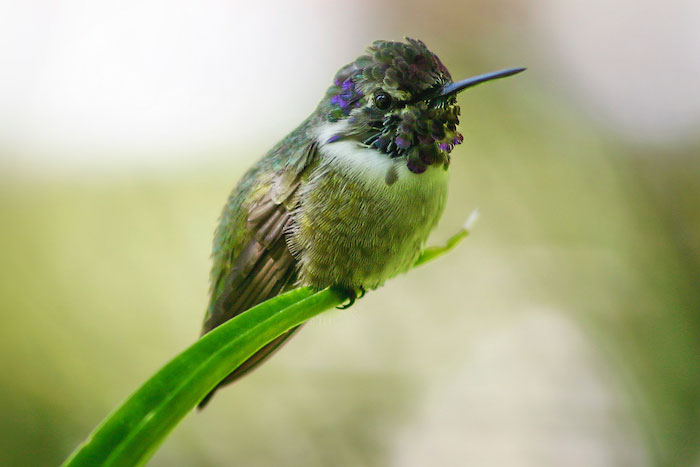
352 296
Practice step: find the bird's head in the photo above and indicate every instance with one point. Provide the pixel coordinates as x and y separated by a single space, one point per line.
400 100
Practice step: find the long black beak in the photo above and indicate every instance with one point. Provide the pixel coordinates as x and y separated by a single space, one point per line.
454 88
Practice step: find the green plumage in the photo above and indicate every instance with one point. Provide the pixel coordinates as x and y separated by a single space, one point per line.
349 197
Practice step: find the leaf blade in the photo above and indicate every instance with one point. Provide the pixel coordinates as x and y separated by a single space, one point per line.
130 434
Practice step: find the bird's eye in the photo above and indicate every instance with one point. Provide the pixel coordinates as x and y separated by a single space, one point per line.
382 100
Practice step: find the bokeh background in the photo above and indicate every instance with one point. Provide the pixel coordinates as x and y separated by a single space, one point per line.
564 331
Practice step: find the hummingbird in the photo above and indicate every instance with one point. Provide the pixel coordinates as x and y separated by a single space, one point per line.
349 197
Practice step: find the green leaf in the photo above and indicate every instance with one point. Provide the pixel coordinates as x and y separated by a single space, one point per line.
131 434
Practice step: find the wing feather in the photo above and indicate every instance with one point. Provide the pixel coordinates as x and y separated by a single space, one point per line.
264 267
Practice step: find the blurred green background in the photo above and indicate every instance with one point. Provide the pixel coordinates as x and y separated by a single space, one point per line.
564 331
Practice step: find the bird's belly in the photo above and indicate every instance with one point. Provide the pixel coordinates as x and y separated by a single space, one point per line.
355 229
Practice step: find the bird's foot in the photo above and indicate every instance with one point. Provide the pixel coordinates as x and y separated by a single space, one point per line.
353 294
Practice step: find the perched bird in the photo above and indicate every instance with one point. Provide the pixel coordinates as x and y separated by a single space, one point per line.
349 197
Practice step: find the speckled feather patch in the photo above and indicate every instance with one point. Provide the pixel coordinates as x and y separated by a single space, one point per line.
417 127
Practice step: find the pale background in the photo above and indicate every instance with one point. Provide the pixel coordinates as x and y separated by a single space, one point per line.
563 332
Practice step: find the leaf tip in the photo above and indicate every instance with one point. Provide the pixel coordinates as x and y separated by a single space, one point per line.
471 220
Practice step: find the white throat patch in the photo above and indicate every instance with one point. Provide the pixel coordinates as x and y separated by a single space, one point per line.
367 164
